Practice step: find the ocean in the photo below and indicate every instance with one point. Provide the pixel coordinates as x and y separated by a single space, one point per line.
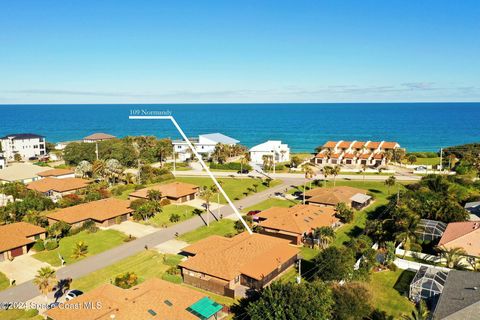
416 126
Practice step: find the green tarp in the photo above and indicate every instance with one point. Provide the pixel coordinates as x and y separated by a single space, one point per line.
204 308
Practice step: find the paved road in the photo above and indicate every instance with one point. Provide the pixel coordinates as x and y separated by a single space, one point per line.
27 290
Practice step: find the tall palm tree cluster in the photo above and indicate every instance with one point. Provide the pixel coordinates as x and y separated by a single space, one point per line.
224 151
110 170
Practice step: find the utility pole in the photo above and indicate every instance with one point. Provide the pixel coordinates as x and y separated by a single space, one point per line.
174 162
299 277
441 157
96 149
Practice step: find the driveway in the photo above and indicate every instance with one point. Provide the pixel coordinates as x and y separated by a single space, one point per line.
198 203
22 269
171 246
135 229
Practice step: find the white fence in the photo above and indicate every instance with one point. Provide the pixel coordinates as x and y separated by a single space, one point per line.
415 266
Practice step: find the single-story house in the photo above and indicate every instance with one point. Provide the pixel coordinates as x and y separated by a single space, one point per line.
57 188
57 173
232 266
152 299
460 298
96 137
105 212
275 148
330 197
176 192
464 235
17 238
22 172
297 222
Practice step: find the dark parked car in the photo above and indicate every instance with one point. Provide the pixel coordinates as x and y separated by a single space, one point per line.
53 305
243 171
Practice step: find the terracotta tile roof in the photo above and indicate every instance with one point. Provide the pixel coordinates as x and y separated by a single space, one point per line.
59 185
99 210
365 155
358 144
336 155
15 235
349 155
253 255
55 172
165 299
344 144
330 144
465 235
99 136
390 145
298 219
373 144
378 156
321 155
171 190
333 196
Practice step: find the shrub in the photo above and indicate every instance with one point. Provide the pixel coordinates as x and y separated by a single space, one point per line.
90 226
51 245
118 190
38 246
164 202
229 166
173 270
126 280
174 217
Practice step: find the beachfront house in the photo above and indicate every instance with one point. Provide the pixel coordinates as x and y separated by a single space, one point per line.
296 223
3 162
274 148
356 153
330 197
97 137
232 266
175 192
152 299
204 145
27 145
104 213
17 238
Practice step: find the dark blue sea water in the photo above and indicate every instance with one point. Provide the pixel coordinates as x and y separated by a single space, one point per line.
416 126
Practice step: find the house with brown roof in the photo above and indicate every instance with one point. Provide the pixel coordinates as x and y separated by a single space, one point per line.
176 192
152 299
104 213
57 173
57 188
330 197
96 137
465 235
17 238
297 222
232 266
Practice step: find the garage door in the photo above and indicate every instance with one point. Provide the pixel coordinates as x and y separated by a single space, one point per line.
17 252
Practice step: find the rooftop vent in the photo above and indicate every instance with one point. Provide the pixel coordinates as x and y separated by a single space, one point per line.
153 313
168 303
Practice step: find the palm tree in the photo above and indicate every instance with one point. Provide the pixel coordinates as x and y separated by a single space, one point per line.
309 173
207 194
420 313
326 171
113 170
83 169
153 194
453 257
390 182
244 160
267 162
98 168
335 171
45 280
325 235
407 224
80 250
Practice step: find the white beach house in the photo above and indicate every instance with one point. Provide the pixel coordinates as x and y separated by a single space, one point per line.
204 145
27 145
3 162
276 148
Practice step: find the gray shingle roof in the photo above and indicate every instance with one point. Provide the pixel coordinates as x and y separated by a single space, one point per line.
458 294
20 136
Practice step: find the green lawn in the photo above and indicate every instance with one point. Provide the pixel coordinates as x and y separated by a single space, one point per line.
97 242
272 202
221 228
4 281
145 265
163 219
380 193
20 314
234 187
425 161
389 291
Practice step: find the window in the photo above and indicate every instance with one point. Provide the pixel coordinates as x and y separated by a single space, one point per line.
42 146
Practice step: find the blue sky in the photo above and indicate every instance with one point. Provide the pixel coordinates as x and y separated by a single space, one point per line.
239 51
